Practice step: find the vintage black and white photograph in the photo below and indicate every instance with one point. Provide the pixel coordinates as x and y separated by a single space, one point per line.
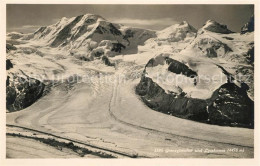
142 81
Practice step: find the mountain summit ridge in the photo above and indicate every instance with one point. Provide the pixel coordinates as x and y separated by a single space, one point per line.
214 26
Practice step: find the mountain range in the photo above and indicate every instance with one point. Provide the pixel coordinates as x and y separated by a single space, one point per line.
215 65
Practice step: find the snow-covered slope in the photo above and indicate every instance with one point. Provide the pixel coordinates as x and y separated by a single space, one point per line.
172 39
218 58
214 26
83 75
91 35
234 52
197 89
231 47
185 76
177 32
185 62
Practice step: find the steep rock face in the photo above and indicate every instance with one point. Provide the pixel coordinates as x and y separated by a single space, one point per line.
9 64
22 92
180 68
246 74
173 104
174 66
228 105
248 27
251 55
64 34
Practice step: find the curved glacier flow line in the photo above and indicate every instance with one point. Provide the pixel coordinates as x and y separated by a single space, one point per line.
113 96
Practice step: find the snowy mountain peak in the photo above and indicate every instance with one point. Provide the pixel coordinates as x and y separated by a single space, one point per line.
90 36
211 22
184 22
63 19
177 32
95 17
216 27
188 74
84 19
184 25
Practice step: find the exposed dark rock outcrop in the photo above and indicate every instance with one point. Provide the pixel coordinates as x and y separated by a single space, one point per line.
98 53
128 34
107 62
246 74
40 30
251 55
114 30
101 30
22 92
9 64
180 68
228 38
178 105
65 32
174 66
248 27
110 29
117 47
10 47
84 58
229 105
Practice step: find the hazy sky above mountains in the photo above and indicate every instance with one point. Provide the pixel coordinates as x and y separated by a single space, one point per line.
27 18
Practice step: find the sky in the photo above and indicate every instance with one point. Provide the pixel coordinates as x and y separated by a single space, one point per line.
29 17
